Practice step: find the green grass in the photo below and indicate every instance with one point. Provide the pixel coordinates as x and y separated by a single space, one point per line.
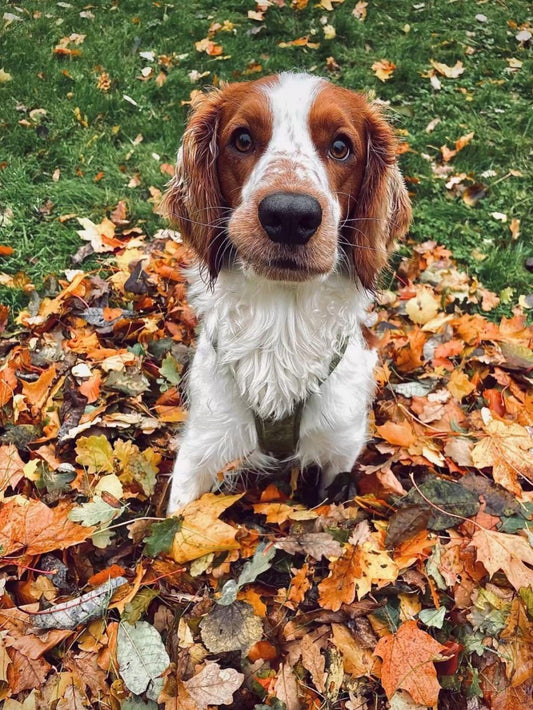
486 98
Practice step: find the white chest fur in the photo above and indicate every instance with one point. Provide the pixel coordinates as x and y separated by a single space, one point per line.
277 340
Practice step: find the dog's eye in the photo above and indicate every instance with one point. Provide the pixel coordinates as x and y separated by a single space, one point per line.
340 149
242 140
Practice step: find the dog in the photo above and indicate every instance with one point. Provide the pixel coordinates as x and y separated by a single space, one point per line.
288 191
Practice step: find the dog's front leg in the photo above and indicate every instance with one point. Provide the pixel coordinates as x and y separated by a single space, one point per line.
220 430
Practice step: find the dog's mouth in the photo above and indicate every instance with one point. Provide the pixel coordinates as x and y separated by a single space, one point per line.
291 264
287 269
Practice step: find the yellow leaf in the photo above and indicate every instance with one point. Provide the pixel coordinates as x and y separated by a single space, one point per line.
377 566
4 76
359 11
357 660
515 228
423 307
447 71
459 385
95 453
383 69
201 532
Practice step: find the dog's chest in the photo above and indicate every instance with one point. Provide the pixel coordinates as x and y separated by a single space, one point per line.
277 341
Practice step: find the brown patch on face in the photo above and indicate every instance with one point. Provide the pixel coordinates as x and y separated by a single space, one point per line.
207 182
245 106
338 112
375 208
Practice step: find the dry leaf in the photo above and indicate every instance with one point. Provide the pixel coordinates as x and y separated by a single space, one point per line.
31 527
509 553
507 449
383 69
358 661
201 532
359 11
214 685
447 71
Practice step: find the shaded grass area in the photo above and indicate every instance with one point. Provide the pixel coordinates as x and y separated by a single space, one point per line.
93 136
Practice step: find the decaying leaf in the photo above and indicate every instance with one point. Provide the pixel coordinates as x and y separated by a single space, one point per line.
231 628
91 605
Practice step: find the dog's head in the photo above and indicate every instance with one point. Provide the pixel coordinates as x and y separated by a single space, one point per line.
294 176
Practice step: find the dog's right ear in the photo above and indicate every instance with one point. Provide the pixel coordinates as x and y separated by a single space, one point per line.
193 201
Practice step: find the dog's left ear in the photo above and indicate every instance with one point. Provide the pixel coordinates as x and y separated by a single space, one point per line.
381 210
193 201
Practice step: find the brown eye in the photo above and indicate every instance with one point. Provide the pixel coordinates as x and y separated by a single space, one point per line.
242 140
340 149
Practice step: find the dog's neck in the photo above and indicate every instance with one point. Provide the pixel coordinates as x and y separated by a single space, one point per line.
278 339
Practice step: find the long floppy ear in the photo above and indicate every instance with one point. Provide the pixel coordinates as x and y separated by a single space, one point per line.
381 210
193 201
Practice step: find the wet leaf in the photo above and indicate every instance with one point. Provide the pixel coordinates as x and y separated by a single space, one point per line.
408 663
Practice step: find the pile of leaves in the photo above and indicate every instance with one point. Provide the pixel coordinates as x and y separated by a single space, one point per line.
411 590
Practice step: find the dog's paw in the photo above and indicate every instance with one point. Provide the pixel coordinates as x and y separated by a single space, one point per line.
180 496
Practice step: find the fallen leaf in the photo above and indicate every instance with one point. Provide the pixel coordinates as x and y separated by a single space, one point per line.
423 307
507 449
509 553
408 662
447 71
142 658
31 527
201 532
358 661
214 685
397 433
359 11
231 628
383 69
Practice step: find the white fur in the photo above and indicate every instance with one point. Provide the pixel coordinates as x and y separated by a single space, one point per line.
266 345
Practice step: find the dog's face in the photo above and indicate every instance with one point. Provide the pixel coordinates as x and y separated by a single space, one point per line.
294 176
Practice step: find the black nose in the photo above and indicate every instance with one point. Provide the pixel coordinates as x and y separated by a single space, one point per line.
290 218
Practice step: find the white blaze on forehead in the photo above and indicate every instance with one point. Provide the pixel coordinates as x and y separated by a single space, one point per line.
290 99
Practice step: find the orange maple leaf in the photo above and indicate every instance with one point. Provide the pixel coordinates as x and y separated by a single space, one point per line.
31 527
408 663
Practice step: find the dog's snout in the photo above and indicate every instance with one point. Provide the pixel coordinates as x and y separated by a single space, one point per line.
290 218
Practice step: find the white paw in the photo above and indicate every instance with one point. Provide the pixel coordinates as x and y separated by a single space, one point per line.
180 495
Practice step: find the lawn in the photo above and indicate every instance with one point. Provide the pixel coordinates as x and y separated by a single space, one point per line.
93 103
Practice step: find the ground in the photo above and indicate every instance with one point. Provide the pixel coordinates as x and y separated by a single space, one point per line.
413 588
